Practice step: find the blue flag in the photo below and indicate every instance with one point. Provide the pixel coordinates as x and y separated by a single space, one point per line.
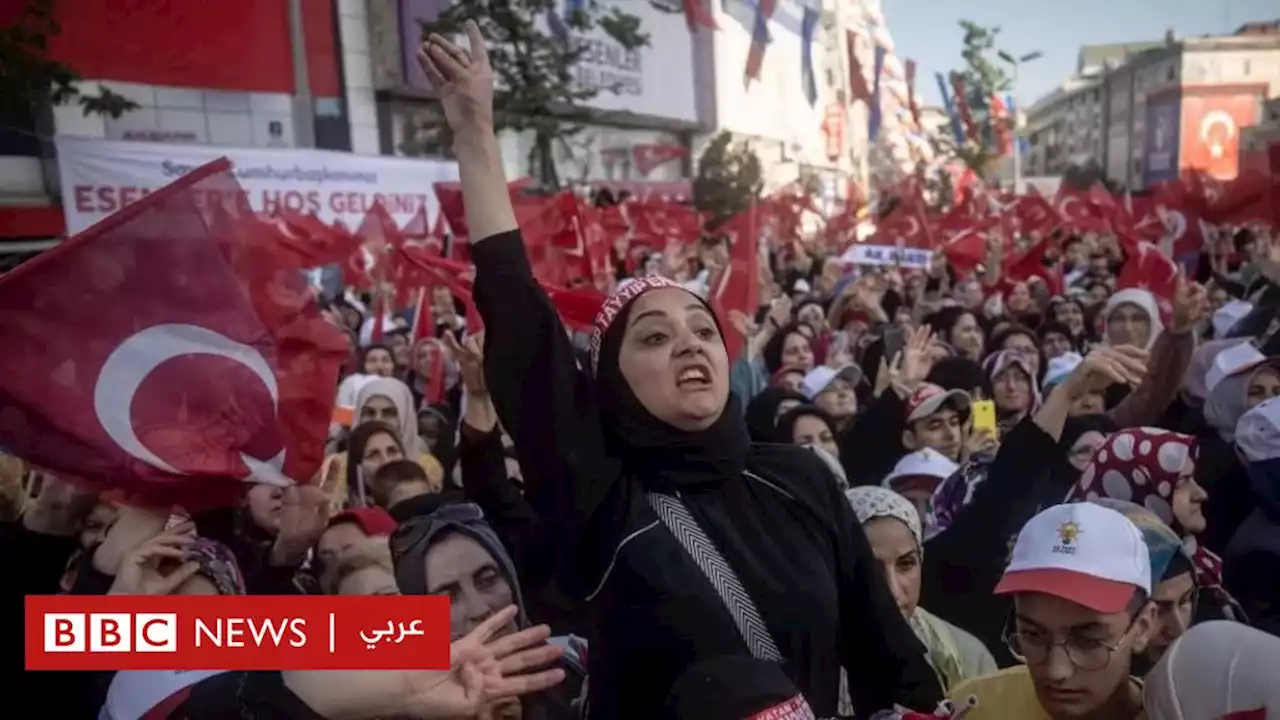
874 116
951 110
807 80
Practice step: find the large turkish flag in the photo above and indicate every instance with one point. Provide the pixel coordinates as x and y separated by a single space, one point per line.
168 351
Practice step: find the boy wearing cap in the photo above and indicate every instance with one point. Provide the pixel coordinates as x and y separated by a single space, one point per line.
1080 577
833 391
937 419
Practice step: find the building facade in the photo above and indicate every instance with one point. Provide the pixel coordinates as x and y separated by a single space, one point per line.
1065 128
231 74
1145 112
645 103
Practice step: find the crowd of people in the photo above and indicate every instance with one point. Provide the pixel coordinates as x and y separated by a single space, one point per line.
902 498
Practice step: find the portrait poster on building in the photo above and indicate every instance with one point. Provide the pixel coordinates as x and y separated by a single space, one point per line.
1160 148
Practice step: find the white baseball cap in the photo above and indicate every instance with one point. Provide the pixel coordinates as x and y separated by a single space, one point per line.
817 380
1228 315
926 464
1234 360
1258 432
1081 552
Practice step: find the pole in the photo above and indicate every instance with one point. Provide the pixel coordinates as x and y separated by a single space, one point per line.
304 122
1013 132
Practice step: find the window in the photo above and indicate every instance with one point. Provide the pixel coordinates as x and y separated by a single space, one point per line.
1248 67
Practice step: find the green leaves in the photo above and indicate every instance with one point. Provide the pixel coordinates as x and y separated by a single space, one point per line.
537 73
31 79
729 179
983 75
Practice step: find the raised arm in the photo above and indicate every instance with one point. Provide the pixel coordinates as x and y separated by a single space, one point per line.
531 372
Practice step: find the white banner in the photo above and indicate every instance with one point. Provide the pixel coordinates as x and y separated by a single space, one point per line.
863 254
101 176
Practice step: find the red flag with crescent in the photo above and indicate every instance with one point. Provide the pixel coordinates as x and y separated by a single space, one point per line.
168 353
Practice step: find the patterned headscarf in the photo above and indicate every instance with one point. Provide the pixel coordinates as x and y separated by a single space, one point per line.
870 502
1142 466
218 565
956 492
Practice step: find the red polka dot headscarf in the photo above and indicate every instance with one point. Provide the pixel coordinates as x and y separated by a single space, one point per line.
1140 465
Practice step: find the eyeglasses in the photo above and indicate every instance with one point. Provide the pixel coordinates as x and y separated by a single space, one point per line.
1033 648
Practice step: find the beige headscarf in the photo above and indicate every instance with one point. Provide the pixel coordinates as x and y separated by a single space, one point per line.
400 396
1218 670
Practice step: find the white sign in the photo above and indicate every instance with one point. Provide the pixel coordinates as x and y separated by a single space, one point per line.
99 177
863 254
656 79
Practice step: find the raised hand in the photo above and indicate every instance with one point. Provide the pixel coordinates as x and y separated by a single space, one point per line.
917 361
469 355
303 519
1105 366
139 573
741 323
1190 306
463 79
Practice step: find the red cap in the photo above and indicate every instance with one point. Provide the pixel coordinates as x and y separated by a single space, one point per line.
373 521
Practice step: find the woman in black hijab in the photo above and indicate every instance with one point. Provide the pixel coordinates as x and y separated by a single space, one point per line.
689 542
766 407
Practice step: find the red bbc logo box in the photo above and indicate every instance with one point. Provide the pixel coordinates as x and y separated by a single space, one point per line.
254 632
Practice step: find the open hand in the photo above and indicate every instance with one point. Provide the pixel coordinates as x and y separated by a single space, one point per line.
917 360
484 671
463 79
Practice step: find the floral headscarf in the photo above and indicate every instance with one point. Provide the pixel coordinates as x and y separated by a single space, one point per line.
1142 466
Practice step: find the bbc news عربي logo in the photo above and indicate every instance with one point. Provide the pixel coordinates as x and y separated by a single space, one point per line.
116 632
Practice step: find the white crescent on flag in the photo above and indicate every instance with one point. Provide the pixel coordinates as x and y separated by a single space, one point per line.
134 359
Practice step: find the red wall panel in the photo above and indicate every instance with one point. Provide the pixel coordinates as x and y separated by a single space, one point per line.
224 44
320 24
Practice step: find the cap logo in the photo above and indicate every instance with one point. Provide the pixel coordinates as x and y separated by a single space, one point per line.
1068 533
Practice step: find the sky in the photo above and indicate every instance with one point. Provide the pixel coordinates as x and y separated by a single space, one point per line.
928 31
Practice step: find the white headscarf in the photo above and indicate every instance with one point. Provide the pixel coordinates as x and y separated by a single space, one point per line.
1216 669
1145 301
870 502
400 396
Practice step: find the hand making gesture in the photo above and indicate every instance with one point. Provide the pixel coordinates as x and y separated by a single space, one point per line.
463 79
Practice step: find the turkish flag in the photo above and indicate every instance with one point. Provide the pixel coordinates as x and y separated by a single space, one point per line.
168 353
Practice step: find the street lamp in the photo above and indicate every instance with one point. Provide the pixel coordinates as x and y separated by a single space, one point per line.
1017 62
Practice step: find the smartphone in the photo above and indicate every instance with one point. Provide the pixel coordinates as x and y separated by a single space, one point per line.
894 341
984 418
